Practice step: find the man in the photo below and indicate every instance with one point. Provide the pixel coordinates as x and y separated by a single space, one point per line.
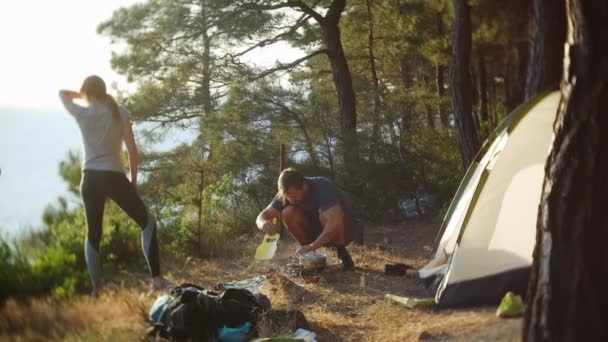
316 213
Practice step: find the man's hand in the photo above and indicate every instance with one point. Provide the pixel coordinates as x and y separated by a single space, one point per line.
305 249
269 228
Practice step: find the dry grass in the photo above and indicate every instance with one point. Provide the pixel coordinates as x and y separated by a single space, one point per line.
114 316
342 306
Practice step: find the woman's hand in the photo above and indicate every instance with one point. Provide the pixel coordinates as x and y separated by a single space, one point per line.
70 94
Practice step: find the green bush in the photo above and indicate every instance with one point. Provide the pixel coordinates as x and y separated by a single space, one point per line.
13 268
224 216
51 270
51 260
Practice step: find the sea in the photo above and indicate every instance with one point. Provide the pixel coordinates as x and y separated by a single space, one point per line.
32 144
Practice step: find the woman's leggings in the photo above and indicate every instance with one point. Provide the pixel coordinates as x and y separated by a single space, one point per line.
96 187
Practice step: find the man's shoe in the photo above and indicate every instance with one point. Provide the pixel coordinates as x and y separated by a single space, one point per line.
346 262
347 266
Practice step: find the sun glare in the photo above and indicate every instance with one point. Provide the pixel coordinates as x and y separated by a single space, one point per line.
50 45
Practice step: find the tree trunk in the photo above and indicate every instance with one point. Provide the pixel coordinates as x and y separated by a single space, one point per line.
508 82
206 81
201 187
375 84
340 72
328 145
515 78
205 84
567 299
440 71
342 79
330 158
475 99
443 115
483 93
460 76
547 51
429 116
343 82
492 103
523 57
404 74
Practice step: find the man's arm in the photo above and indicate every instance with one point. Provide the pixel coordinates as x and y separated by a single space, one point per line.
264 220
131 150
334 221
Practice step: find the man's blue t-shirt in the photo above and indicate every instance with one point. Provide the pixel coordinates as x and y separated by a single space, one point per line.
322 195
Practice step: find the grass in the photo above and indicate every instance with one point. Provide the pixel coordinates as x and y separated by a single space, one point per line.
342 306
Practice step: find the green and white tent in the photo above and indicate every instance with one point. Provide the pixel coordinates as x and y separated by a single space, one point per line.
488 235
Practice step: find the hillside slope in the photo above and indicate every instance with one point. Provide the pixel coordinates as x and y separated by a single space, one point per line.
342 306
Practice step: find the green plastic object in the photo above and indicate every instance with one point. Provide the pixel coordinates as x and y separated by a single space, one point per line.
409 302
511 306
268 247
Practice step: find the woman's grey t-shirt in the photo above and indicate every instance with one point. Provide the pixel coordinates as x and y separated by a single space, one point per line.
102 135
323 194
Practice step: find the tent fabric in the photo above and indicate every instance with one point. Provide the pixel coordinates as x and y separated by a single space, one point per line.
488 235
457 214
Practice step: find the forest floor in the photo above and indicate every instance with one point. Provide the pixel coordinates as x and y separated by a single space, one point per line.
342 306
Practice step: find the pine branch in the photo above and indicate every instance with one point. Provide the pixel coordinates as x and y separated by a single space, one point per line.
289 4
299 23
287 66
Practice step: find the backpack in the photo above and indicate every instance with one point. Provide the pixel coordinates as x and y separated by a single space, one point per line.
190 312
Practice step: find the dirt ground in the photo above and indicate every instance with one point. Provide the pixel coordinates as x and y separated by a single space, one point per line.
341 306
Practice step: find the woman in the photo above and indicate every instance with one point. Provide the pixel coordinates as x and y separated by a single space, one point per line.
103 126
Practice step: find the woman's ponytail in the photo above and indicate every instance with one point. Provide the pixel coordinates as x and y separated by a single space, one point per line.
113 107
94 87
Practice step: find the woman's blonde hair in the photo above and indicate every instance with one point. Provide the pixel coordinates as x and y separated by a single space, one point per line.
94 87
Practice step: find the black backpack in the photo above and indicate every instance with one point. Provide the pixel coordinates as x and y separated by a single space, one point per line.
193 313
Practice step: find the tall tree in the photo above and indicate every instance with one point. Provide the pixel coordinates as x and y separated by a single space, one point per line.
547 52
501 35
483 93
461 84
330 30
440 75
375 81
567 300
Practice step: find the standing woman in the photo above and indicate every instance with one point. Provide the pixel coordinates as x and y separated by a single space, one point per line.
103 126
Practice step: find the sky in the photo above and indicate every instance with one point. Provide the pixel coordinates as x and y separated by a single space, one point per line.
52 45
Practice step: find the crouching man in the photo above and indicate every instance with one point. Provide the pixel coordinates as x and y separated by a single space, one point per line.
316 212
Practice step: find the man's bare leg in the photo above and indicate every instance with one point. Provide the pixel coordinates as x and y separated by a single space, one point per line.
297 224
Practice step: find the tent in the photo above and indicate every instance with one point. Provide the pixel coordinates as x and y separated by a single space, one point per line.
488 234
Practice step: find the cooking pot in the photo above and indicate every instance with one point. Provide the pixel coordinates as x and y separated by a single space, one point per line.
312 261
